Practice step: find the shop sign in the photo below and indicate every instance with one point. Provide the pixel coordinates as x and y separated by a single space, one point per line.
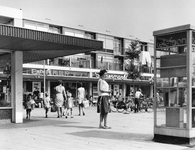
69 73
171 42
64 73
111 76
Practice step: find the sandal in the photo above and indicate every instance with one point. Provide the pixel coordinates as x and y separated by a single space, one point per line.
107 127
102 127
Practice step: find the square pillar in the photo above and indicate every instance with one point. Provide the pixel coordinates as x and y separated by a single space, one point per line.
124 89
17 86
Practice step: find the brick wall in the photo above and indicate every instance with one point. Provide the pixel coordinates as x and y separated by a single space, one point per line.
5 114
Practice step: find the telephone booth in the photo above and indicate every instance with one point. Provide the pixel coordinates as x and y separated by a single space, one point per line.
174 85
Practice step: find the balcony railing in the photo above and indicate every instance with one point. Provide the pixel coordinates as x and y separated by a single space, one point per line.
109 66
100 65
81 64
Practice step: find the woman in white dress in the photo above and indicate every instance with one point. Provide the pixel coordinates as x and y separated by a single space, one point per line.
60 96
81 98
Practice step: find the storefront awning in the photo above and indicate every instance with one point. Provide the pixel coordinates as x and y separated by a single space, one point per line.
38 45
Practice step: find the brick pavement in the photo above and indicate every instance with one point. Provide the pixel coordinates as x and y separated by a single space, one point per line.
129 131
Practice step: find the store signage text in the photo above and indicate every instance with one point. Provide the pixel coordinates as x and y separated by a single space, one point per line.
40 72
171 42
111 76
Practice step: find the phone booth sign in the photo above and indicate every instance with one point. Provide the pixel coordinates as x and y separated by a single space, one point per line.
174 83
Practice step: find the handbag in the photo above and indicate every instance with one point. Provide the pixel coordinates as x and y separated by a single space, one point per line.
53 108
86 103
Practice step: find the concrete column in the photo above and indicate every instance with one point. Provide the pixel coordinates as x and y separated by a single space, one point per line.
124 90
48 87
90 89
151 91
17 86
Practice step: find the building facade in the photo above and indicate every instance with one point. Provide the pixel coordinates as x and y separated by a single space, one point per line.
72 69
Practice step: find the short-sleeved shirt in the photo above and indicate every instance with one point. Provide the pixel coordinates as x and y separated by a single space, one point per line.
103 85
138 94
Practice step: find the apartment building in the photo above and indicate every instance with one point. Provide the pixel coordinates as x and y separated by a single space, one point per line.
84 67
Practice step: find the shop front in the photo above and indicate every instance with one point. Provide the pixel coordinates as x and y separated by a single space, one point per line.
119 84
34 77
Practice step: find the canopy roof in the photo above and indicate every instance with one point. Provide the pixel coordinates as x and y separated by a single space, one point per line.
38 45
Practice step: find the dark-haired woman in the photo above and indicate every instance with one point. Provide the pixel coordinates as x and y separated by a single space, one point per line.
104 95
59 97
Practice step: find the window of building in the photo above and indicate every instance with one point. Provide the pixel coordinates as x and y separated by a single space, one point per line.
73 32
105 61
78 33
89 35
55 29
6 20
108 41
30 25
118 46
42 26
36 25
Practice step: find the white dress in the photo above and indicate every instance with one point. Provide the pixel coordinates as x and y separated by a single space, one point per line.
81 94
59 100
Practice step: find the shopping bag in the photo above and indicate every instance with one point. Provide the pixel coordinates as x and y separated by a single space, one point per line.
86 103
53 108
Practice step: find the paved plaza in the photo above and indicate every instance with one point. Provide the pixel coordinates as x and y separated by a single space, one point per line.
129 132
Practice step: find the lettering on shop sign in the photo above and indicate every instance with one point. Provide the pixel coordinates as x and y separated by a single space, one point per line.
52 72
111 76
172 42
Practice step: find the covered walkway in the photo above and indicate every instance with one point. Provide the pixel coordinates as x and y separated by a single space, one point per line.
20 45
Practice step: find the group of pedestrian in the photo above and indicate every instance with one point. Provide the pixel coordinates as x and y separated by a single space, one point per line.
63 98
63 102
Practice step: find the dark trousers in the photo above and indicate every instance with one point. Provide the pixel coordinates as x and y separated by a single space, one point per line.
136 105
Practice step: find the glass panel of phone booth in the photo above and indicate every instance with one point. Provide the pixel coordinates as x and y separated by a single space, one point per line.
171 97
193 81
193 107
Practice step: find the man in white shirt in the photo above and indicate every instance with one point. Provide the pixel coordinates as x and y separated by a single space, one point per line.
138 94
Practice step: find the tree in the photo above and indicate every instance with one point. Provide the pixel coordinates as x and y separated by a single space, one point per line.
131 54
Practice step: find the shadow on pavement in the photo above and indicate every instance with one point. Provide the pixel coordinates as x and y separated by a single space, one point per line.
83 127
108 134
36 122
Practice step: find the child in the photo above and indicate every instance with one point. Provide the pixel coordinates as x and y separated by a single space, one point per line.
68 104
46 104
29 106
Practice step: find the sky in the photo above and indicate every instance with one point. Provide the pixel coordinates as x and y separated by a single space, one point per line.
122 18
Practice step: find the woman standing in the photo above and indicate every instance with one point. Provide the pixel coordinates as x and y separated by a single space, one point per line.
81 98
104 94
59 98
